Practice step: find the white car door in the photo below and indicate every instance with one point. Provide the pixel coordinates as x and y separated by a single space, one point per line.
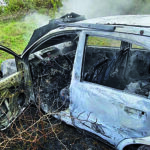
110 111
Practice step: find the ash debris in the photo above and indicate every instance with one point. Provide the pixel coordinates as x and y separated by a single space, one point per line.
50 77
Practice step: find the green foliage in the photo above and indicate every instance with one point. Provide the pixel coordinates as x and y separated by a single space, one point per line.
15 35
47 4
1 10
18 5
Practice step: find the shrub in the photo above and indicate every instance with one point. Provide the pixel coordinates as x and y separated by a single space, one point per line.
1 10
14 6
47 4
17 5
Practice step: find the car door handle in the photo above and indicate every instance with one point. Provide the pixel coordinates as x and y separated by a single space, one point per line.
135 112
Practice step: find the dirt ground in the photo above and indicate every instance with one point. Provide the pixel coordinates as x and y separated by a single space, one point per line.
34 131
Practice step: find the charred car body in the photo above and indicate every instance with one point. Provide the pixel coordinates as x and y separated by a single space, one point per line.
92 74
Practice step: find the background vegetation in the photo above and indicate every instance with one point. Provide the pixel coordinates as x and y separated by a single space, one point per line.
15 35
15 32
14 6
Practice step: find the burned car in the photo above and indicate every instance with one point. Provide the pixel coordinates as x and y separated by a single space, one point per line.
92 74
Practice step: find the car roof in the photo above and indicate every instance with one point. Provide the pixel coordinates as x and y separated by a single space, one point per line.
130 20
132 24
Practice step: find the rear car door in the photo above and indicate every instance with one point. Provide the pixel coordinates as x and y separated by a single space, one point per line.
15 87
108 95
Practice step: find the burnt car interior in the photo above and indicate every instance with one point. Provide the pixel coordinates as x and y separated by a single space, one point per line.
51 68
120 65
12 93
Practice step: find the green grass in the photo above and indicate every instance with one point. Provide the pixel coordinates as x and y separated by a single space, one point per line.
15 34
100 41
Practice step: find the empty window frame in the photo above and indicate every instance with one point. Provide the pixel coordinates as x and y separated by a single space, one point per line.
117 64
